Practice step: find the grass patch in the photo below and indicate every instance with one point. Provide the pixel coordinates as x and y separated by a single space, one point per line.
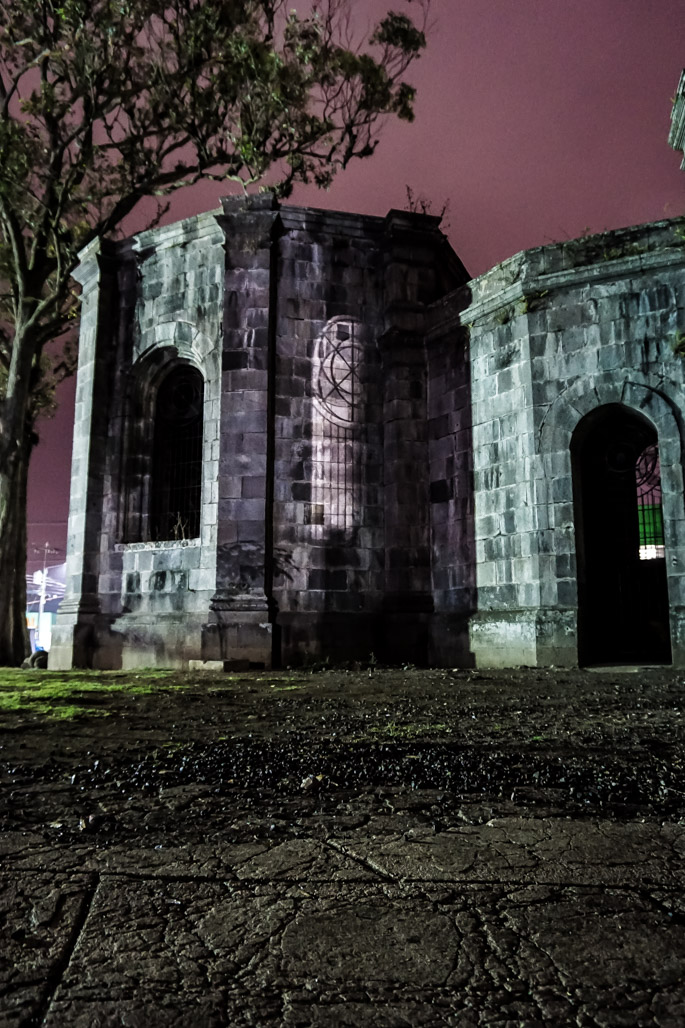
393 730
51 694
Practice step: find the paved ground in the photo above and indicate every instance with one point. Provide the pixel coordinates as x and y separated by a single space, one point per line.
371 848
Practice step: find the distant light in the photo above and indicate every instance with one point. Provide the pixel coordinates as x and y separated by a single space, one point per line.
652 552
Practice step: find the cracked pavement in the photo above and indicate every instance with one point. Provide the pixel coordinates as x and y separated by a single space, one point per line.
262 851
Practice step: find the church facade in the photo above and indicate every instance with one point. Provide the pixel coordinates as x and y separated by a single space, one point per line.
304 435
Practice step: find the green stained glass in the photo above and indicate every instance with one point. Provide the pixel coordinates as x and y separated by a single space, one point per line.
651 524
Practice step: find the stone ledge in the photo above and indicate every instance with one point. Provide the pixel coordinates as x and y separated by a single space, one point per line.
164 544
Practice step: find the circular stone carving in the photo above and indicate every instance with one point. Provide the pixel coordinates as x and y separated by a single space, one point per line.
338 387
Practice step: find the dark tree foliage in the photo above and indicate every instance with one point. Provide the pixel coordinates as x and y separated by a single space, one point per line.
106 102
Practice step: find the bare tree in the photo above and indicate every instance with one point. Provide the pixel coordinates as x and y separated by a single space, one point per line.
419 203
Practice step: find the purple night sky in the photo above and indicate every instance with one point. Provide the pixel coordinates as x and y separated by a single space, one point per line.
539 120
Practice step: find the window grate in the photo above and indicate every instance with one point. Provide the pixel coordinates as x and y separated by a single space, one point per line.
649 510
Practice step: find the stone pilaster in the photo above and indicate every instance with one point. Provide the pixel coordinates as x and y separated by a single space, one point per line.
412 280
240 622
408 592
73 637
676 136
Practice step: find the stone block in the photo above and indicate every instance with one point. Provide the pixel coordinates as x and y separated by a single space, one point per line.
503 640
254 487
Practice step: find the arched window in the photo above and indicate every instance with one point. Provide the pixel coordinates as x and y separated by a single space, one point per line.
176 486
338 388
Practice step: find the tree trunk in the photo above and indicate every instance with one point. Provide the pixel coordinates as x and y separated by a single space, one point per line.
16 443
14 637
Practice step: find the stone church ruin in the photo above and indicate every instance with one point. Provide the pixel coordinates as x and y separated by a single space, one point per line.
304 434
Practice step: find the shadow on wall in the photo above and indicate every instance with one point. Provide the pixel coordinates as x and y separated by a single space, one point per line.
452 490
386 487
345 510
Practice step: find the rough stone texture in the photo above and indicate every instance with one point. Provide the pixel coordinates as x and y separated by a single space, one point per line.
308 465
132 601
450 486
140 886
306 953
557 333
327 515
387 460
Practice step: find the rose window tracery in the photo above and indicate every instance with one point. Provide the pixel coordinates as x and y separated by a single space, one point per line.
338 387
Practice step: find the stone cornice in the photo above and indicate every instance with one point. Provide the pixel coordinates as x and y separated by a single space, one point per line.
357 226
394 338
410 221
609 255
98 256
445 315
142 245
152 240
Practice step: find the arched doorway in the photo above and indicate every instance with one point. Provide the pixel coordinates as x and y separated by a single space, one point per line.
622 586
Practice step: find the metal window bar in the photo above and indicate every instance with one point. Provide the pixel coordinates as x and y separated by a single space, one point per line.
337 449
649 511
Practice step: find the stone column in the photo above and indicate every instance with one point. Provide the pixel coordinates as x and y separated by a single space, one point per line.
410 272
408 593
239 627
73 637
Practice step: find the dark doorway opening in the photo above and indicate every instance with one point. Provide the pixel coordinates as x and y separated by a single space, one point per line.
176 489
622 585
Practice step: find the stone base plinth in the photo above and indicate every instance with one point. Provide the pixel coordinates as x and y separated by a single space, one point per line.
73 644
677 625
238 637
537 637
130 641
390 637
406 638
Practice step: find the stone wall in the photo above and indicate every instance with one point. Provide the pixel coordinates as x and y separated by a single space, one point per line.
414 274
327 511
306 328
554 334
450 481
147 303
387 461
350 517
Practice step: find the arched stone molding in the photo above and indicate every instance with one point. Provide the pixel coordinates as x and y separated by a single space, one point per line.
660 402
169 343
179 335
